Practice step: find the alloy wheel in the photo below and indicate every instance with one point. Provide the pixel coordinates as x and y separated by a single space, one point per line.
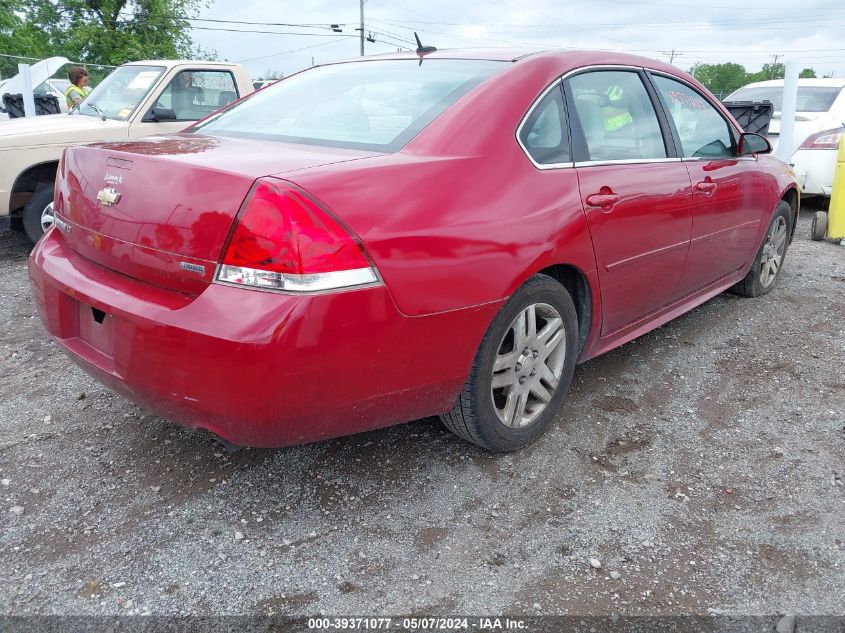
773 252
528 365
48 216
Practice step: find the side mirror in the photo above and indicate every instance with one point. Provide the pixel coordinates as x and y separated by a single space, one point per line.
753 144
156 115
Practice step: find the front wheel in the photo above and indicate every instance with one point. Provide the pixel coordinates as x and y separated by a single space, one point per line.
38 213
768 262
521 371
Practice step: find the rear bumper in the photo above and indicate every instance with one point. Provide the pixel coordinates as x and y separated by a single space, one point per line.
814 169
256 368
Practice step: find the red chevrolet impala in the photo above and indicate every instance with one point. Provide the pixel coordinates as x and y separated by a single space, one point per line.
370 242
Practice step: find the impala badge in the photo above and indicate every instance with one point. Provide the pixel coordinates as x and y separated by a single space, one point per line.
108 196
194 268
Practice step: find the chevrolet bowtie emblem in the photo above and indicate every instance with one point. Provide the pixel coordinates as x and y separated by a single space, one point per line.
108 196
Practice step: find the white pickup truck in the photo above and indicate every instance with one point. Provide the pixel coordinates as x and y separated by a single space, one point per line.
137 99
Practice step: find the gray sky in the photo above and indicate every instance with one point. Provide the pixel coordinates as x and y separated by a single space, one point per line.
745 32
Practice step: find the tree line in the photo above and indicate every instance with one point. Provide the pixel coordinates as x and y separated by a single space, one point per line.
108 32
722 79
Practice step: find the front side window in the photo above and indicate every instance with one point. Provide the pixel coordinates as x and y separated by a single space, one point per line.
378 105
194 94
545 135
703 132
617 116
120 93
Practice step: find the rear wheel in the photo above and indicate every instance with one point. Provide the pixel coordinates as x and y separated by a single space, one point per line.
768 262
819 227
521 371
38 212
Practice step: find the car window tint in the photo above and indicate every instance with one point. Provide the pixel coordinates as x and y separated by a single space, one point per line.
378 105
617 116
544 134
702 130
193 95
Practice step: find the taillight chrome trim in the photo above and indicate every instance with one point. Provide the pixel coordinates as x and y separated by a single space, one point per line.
254 279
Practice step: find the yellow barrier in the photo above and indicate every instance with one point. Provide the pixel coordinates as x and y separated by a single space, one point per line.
836 214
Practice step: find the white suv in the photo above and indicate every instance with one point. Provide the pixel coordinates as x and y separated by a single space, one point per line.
819 123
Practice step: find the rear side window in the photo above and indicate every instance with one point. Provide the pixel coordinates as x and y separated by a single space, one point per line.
544 134
703 132
617 116
378 105
194 94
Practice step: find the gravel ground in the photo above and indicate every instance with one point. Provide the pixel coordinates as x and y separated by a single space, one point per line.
698 469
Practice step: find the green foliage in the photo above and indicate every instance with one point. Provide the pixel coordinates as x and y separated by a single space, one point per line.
722 79
808 73
99 31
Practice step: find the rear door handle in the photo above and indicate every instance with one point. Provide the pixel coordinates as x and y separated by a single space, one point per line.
705 187
605 201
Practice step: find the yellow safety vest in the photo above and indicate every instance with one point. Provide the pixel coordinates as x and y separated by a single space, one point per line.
73 89
615 118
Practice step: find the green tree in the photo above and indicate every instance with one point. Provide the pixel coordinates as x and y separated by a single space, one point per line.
101 31
720 78
808 73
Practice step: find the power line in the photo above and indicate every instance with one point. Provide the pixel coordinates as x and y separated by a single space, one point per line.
293 50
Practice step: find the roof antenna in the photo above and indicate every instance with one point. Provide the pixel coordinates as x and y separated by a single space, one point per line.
422 50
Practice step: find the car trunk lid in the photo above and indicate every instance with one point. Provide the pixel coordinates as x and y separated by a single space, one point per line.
806 123
160 209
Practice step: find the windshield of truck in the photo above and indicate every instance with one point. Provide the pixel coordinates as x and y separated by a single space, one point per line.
810 98
119 94
376 105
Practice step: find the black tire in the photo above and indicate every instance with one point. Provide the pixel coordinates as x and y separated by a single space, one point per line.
38 201
475 417
752 285
819 227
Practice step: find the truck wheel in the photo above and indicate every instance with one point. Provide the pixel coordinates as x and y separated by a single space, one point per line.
819 228
38 212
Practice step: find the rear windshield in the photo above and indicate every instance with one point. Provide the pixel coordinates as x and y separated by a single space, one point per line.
375 105
810 98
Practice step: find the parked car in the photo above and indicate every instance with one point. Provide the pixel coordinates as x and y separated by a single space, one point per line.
55 87
137 99
39 77
819 123
258 84
381 240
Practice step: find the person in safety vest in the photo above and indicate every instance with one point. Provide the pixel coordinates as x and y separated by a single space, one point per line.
78 88
616 113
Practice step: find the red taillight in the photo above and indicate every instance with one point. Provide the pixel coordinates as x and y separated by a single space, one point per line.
284 240
827 139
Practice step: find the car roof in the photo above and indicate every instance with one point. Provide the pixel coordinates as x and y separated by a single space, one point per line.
171 63
816 82
568 58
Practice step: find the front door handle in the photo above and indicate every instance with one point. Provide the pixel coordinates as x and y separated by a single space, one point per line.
605 200
707 187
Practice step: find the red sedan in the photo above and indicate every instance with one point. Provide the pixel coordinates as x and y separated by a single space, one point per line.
376 241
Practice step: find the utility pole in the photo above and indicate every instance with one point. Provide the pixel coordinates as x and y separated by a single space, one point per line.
774 66
362 27
672 55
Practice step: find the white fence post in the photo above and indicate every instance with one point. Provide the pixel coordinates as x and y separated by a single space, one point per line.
26 90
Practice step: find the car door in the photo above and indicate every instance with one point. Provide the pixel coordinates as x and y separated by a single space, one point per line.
727 188
189 96
636 193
